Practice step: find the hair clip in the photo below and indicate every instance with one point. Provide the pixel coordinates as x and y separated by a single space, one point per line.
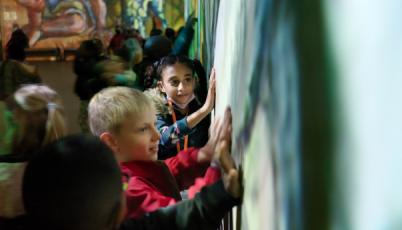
52 105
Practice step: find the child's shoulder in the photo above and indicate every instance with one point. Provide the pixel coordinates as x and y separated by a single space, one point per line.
141 168
144 173
138 183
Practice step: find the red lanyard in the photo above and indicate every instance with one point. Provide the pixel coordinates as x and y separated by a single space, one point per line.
174 121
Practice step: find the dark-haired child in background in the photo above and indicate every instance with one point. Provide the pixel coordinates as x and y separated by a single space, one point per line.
182 119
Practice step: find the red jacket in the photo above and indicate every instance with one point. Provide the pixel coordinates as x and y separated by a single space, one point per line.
150 185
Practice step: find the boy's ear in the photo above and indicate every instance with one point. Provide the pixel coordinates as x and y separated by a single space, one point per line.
110 141
160 86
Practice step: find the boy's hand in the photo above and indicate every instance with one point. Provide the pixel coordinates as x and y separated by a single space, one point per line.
231 178
210 101
224 135
207 152
220 130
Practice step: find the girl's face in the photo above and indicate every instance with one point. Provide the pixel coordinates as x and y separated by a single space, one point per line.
178 83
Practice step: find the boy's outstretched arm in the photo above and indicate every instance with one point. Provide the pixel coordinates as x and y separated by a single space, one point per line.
188 166
205 211
231 177
219 144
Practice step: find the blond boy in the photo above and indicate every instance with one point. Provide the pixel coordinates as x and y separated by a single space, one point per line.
124 119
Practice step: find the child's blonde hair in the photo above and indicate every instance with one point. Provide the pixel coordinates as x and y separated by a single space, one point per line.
108 108
41 109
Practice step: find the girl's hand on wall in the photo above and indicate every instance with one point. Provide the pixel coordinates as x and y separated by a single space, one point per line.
210 101
194 118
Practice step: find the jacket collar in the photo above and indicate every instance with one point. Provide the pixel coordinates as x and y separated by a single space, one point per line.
156 172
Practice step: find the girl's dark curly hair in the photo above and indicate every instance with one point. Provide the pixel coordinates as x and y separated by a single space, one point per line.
169 61
153 73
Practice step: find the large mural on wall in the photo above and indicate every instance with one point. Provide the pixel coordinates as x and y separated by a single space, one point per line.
273 69
147 14
64 24
253 50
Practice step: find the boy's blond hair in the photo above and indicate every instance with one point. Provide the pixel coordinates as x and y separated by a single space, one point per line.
110 107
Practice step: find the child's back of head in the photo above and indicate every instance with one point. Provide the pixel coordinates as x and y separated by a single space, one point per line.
16 46
90 49
157 47
73 183
34 118
37 116
130 51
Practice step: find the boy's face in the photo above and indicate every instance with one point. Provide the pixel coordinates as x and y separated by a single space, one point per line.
137 138
178 83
